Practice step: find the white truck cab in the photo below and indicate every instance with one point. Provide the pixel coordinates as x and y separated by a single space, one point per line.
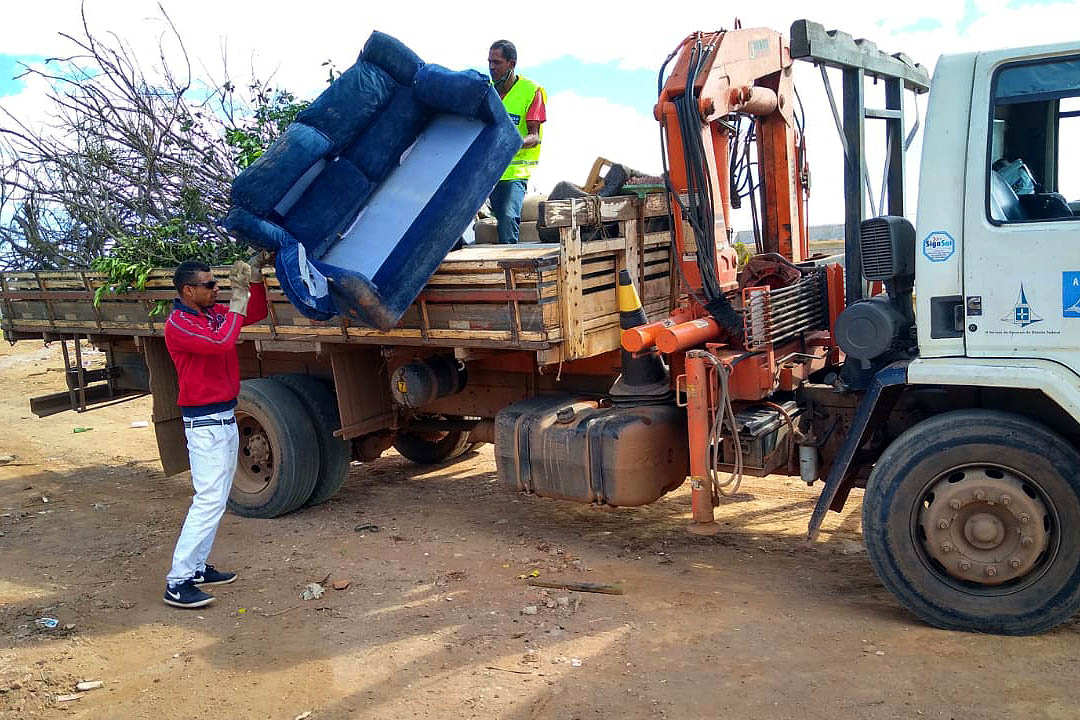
972 504
998 230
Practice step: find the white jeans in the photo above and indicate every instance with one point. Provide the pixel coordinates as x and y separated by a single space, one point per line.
212 451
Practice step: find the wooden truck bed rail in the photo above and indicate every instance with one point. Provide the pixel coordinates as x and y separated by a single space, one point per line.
556 299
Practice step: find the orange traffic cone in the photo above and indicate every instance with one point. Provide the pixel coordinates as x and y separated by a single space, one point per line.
645 379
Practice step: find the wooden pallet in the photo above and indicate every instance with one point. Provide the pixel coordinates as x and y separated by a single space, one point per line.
557 299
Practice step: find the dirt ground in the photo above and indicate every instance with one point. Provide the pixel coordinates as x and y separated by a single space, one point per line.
436 621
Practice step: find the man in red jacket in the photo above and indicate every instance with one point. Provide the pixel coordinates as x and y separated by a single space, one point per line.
201 336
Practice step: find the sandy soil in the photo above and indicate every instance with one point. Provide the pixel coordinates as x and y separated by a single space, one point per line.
753 623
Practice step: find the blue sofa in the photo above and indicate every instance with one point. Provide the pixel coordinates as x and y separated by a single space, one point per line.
368 190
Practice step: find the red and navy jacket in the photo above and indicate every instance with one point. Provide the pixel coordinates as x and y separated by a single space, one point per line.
203 348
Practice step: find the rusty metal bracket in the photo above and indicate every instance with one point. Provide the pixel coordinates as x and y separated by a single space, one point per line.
873 409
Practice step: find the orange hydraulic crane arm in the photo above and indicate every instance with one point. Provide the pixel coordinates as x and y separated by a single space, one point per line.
717 76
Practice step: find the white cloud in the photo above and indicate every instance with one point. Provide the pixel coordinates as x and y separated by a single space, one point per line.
580 129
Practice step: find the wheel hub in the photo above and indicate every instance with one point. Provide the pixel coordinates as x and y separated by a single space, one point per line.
255 461
258 449
982 525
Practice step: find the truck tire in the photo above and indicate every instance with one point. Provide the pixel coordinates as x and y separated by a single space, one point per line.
334 453
432 448
278 461
970 520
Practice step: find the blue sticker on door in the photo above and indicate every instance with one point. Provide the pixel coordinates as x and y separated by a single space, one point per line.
1070 294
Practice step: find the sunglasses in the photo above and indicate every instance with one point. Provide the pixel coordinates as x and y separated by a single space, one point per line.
209 284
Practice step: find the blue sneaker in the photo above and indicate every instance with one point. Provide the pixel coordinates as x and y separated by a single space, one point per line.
212 576
186 595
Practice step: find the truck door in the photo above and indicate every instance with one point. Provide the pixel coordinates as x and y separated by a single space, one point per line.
1021 244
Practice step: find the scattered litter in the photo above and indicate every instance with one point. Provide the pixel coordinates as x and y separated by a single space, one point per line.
67 698
313 591
100 507
241 611
280 612
880 652
303 716
367 527
531 574
47 622
69 626
575 662
80 428
341 584
444 578
89 685
44 499
508 670
5 459
578 586
139 424
529 610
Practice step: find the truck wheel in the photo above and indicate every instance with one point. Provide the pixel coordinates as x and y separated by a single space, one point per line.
970 520
278 461
432 448
334 453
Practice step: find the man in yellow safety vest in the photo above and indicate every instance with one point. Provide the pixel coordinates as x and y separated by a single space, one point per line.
525 102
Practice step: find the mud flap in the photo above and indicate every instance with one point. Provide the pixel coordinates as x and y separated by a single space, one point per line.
872 410
168 420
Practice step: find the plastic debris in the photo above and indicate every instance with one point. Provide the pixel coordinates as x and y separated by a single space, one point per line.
370 527
68 698
575 662
81 429
312 591
531 574
89 685
139 424
47 622
303 716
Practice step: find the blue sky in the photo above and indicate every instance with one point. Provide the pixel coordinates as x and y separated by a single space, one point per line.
9 68
636 88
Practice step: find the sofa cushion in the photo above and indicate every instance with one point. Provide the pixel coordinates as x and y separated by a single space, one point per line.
350 104
328 206
378 150
391 55
443 90
256 231
259 187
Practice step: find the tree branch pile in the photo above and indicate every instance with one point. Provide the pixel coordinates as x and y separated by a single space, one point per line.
131 162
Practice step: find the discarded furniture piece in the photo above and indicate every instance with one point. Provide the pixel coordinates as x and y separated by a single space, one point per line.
368 190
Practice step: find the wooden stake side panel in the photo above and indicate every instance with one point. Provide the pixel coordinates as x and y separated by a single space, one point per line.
558 300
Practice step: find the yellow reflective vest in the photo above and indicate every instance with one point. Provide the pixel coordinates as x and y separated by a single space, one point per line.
517 103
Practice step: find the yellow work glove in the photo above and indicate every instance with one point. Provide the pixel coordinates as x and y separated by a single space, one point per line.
239 279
